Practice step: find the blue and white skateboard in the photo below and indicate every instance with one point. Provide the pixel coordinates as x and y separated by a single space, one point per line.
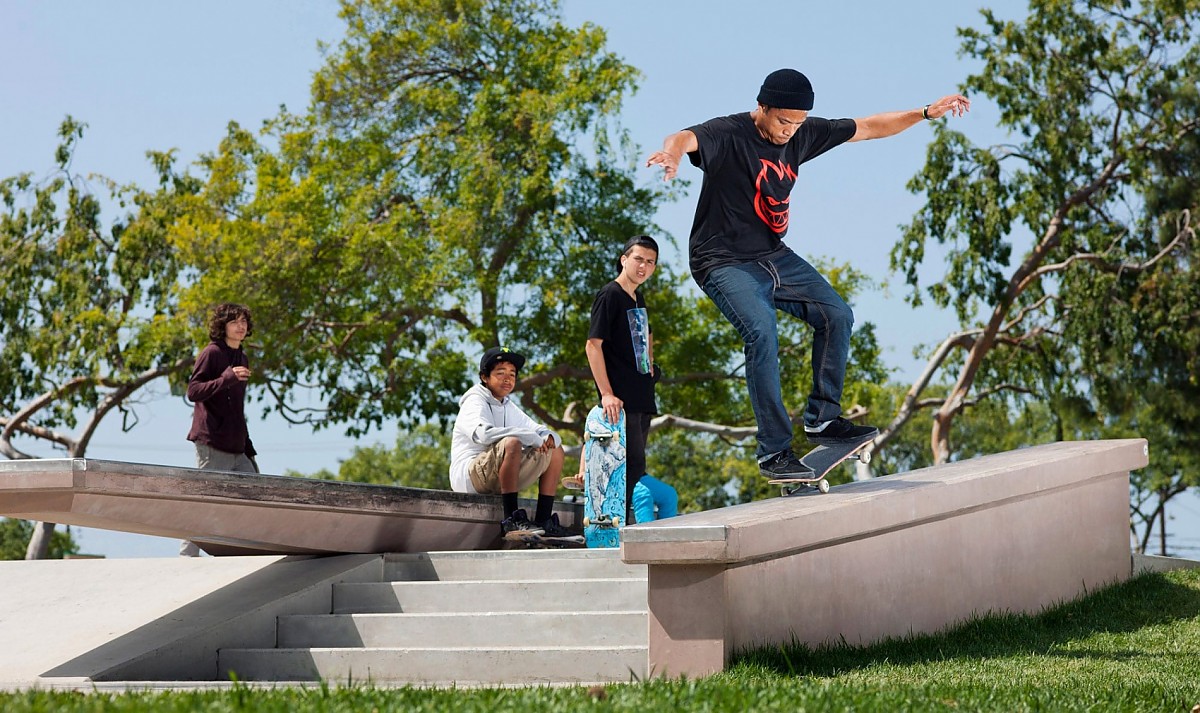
603 479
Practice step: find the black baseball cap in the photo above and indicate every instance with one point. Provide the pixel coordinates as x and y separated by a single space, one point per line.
495 355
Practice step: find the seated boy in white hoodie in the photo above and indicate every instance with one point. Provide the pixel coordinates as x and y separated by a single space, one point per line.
497 448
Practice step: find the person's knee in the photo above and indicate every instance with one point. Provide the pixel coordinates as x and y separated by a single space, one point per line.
841 317
642 495
511 447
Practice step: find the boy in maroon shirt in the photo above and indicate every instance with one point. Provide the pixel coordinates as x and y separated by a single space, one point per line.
217 387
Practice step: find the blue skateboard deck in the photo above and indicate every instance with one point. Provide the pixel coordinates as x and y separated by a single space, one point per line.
603 479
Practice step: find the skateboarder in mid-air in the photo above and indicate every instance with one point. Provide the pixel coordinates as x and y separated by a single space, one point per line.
738 258
497 448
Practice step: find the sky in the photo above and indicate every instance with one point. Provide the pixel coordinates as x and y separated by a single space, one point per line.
151 75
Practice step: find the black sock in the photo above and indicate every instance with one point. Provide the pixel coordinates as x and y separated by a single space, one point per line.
510 504
545 508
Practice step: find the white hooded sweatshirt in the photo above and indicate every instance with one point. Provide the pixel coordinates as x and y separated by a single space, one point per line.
482 420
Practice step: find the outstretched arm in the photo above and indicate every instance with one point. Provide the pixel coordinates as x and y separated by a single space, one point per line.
674 147
880 126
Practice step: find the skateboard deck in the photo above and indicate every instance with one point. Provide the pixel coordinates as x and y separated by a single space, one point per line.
525 540
821 460
604 479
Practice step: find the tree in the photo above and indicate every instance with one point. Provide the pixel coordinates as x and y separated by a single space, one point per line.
1100 98
458 177
15 536
87 316
419 459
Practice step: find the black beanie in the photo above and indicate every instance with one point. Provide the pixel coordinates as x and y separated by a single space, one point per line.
786 89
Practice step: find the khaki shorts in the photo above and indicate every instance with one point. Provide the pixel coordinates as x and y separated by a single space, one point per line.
485 469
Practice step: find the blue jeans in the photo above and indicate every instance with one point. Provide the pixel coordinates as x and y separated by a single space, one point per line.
748 294
652 493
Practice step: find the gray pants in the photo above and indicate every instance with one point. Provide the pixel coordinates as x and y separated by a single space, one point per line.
209 458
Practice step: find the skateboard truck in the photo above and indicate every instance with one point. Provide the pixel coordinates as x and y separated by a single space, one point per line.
602 521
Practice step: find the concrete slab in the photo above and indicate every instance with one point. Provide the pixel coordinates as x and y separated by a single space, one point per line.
242 514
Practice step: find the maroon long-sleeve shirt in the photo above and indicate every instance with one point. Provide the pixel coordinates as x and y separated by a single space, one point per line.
219 415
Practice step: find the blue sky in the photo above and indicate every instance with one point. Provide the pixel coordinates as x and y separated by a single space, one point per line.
152 75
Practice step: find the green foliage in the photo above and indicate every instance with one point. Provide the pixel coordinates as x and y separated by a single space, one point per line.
420 459
14 539
88 310
1133 647
434 202
1097 318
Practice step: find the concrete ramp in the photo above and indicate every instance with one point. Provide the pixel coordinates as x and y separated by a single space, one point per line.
909 553
77 621
242 514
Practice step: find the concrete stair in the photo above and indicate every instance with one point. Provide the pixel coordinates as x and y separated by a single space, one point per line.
467 618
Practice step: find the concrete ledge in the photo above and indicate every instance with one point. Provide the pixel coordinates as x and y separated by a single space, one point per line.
1156 563
253 514
909 553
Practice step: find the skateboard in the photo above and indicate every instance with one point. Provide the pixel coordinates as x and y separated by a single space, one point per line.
525 540
604 479
821 460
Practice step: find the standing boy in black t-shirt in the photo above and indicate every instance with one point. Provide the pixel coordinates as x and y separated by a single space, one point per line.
620 351
738 258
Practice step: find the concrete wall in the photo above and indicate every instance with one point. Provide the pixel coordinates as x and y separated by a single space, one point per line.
909 553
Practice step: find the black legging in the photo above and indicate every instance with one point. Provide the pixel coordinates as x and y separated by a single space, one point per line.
637 428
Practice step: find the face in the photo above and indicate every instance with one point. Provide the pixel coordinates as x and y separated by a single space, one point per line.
639 264
502 380
778 125
235 330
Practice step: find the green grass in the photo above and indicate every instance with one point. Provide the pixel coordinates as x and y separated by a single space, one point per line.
1133 647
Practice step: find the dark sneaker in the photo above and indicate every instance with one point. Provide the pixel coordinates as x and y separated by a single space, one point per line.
784 464
518 524
551 529
839 432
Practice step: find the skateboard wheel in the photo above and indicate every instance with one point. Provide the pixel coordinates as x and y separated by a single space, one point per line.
823 485
864 457
617 521
586 521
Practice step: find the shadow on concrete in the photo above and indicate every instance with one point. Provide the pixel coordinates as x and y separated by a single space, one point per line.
183 644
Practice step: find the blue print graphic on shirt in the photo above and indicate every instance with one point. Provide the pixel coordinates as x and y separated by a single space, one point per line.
639 333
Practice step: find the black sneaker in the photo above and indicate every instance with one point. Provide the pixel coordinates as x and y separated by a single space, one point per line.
839 432
518 524
784 464
551 529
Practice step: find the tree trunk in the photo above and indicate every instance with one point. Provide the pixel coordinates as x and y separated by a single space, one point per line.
1162 524
39 543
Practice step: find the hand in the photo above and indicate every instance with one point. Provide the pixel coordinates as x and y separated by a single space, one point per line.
953 104
612 408
242 373
669 163
548 444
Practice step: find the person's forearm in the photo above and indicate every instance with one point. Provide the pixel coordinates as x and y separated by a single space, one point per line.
890 123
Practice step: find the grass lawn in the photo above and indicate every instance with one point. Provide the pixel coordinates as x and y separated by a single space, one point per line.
1133 647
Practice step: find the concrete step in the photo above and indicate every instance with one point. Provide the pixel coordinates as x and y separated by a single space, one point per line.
444 666
601 594
510 564
489 629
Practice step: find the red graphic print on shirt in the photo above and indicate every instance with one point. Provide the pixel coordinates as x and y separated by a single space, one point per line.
773 188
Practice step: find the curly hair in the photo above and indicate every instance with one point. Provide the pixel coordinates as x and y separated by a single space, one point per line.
225 313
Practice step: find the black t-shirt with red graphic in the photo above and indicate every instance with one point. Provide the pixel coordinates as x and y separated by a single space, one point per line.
743 211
